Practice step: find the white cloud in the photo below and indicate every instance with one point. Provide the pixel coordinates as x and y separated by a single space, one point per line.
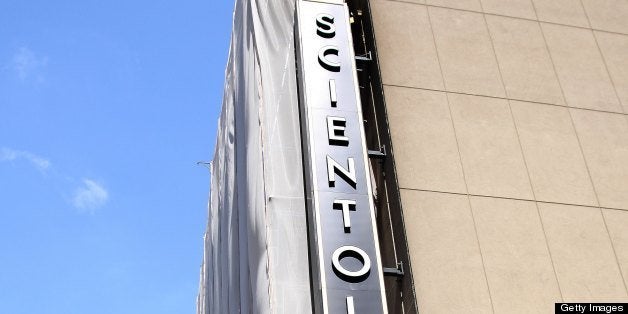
8 154
90 196
87 198
27 64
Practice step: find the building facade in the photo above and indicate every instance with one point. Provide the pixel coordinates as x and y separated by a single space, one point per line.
497 140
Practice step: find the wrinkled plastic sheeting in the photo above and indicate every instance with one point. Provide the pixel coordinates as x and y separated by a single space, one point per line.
255 247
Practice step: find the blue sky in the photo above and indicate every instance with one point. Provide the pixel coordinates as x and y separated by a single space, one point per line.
105 108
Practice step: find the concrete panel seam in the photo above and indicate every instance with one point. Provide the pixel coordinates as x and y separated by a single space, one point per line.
477 238
508 16
597 44
580 144
610 239
510 198
505 98
573 125
525 163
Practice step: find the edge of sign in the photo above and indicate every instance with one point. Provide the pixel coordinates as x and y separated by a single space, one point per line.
367 171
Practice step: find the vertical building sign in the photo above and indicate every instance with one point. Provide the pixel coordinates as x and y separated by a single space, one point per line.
344 250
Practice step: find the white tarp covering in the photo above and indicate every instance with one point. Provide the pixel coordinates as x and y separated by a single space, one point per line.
255 248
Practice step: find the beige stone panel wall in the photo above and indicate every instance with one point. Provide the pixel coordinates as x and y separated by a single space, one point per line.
428 158
509 134
608 15
604 139
408 24
517 261
617 223
491 155
523 59
555 162
472 5
567 12
465 53
580 68
585 262
446 261
411 1
615 51
517 8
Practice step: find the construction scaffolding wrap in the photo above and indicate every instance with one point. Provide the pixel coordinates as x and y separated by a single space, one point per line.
256 251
